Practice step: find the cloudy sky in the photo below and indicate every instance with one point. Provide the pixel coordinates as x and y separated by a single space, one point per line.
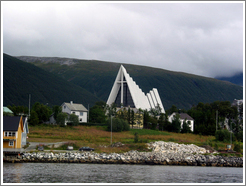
199 38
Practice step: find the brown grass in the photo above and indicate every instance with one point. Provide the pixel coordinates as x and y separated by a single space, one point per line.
98 137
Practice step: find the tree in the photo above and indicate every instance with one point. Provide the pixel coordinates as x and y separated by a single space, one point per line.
139 116
172 109
224 135
74 120
176 124
186 127
132 118
33 120
61 118
118 125
19 110
122 114
43 112
97 113
146 119
110 110
56 110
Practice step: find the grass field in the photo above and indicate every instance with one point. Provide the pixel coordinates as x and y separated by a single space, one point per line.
98 137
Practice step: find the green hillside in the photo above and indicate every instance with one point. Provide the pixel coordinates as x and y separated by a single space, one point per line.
21 79
175 88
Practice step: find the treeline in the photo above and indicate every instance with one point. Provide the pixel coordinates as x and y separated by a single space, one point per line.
216 119
209 119
41 113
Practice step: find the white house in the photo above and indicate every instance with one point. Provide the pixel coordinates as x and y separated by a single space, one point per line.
183 117
77 109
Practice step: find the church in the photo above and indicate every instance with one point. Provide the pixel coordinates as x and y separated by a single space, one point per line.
125 92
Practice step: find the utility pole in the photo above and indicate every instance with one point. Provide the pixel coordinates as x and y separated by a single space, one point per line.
231 137
88 113
216 119
111 129
29 105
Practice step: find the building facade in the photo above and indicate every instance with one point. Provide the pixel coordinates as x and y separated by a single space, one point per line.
183 117
12 132
126 93
77 109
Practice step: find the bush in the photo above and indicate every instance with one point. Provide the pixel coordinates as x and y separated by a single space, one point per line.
118 125
224 135
239 136
216 147
136 137
61 118
73 120
237 147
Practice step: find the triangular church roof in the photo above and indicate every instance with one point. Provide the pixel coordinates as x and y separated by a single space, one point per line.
126 92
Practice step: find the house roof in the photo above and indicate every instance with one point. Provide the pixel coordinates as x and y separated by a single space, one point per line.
76 106
185 116
11 123
6 109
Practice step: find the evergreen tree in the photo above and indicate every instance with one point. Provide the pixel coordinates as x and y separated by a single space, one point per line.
185 127
132 118
176 124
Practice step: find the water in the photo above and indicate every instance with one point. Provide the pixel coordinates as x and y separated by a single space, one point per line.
112 173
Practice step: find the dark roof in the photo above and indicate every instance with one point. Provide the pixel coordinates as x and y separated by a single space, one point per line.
11 123
185 116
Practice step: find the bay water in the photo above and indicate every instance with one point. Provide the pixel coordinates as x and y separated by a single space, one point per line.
117 173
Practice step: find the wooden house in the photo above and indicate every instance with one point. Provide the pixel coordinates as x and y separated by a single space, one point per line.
12 132
77 109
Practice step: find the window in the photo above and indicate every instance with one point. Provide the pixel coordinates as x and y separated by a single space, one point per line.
64 107
80 120
9 134
11 143
81 113
12 134
73 112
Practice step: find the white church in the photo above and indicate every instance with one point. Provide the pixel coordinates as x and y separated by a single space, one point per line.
125 92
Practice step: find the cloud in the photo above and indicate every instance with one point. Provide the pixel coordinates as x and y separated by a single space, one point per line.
198 38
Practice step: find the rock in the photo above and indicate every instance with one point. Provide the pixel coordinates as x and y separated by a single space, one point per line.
163 153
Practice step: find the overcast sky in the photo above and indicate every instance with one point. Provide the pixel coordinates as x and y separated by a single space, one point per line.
199 38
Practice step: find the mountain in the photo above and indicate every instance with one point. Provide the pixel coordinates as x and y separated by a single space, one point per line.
21 79
236 79
175 88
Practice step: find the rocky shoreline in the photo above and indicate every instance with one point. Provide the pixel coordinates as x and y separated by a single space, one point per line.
163 153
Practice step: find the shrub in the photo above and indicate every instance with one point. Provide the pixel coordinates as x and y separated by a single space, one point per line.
239 136
118 125
216 147
237 147
73 120
223 135
136 137
61 118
